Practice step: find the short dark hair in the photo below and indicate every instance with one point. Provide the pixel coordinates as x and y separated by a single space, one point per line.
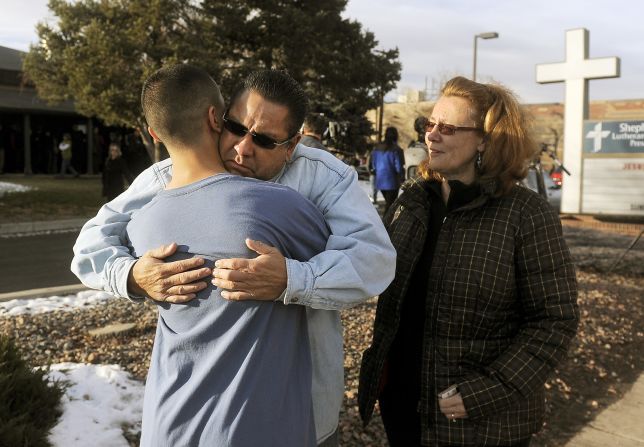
420 124
316 123
175 101
279 87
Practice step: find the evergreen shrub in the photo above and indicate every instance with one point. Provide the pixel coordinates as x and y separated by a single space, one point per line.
29 402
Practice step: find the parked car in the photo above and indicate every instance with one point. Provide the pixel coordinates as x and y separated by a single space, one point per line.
414 155
541 183
363 172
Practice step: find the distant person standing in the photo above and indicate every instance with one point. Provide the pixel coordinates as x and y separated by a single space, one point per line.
115 173
416 152
65 148
312 131
387 163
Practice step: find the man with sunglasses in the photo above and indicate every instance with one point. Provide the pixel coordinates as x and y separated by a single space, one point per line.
260 140
202 387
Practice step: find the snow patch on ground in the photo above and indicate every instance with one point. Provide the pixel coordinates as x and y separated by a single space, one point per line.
84 299
101 401
6 188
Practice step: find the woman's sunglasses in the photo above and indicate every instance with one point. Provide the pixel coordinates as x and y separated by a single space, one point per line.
447 129
259 139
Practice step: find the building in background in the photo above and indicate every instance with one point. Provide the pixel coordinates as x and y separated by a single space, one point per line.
30 128
411 96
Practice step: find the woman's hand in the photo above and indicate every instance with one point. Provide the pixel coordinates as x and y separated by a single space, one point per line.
453 407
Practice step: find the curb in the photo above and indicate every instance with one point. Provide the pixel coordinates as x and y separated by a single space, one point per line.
35 227
627 229
42 293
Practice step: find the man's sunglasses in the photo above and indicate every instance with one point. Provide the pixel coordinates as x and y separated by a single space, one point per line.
259 139
447 129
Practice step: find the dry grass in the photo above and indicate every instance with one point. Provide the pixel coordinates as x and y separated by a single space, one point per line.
50 198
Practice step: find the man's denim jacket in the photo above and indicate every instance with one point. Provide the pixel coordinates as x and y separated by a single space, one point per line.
358 263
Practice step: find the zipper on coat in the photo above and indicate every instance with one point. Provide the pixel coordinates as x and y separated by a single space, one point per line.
399 210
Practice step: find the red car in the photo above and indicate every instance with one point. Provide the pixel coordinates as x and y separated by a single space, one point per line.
557 176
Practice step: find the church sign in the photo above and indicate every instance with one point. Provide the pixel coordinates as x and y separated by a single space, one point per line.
613 172
604 137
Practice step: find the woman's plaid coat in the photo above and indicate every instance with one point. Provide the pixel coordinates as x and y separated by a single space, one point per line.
502 302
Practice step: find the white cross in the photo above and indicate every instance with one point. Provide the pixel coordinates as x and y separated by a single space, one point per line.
575 72
597 134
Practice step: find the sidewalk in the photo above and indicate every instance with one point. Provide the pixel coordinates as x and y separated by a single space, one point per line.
620 425
37 255
628 229
7 229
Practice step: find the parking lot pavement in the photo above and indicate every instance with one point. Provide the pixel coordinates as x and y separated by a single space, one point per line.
32 262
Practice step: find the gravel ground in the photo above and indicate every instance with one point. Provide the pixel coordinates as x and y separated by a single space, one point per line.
604 361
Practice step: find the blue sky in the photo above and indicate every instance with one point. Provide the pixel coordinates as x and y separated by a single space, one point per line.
435 39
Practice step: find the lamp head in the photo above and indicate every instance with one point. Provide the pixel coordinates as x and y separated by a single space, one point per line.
491 35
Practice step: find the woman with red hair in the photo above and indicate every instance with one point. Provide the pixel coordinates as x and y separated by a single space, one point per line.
483 305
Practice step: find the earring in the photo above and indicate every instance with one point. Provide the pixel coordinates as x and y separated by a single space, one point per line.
479 160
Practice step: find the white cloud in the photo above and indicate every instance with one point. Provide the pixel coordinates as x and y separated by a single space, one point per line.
18 22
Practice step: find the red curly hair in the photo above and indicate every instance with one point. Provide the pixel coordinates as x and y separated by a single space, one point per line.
509 144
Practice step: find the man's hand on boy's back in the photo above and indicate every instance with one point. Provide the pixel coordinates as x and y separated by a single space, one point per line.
172 282
262 278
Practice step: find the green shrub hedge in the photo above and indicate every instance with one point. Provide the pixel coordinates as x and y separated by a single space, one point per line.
29 402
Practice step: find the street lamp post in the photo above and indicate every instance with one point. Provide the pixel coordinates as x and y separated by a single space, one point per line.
491 35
